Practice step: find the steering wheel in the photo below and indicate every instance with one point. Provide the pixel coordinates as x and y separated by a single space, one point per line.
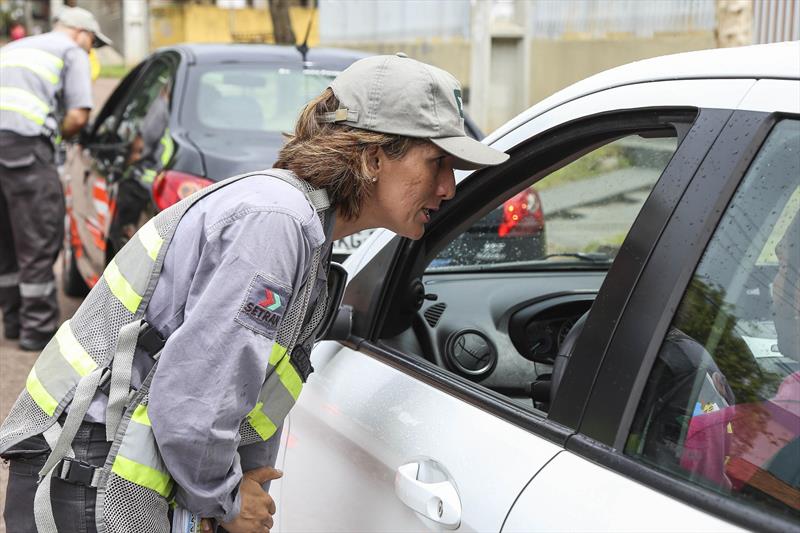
564 353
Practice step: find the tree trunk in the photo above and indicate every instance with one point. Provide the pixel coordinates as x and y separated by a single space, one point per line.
281 24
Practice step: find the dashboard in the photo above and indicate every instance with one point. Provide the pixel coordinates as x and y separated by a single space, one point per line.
502 329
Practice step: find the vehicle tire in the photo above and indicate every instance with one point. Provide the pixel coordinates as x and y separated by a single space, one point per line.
74 285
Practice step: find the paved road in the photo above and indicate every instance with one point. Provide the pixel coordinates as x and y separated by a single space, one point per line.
15 363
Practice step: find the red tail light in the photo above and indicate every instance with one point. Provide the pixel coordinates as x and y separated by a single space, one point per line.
172 186
522 215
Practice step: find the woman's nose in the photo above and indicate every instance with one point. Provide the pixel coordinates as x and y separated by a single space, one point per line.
447 183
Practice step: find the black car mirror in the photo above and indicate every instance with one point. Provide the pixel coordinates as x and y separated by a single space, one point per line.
338 319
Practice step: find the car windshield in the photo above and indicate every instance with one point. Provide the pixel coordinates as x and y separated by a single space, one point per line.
251 98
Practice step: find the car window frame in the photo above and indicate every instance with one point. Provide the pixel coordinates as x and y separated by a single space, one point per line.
131 85
387 274
630 352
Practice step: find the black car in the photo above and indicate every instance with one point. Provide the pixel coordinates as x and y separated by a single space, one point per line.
185 117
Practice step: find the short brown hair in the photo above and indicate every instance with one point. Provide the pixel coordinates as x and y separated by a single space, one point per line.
335 157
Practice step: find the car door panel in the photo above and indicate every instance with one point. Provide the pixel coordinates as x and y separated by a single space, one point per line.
359 419
88 210
574 494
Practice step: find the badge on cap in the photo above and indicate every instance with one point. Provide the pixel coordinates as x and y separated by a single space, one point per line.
264 306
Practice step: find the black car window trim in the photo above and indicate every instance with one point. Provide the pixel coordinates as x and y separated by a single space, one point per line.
130 85
168 60
384 276
603 319
630 353
729 510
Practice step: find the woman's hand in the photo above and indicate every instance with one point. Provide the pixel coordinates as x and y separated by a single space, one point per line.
257 506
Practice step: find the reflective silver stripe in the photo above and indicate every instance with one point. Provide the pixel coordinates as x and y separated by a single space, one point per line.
134 263
9 280
150 239
275 399
26 104
44 64
54 373
138 459
36 290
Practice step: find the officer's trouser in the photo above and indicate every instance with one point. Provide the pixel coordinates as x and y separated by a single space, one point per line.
73 505
31 232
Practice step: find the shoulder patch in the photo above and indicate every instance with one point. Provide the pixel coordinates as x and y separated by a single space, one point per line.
263 307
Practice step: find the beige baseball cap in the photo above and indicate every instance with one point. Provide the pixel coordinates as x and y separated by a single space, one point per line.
77 17
401 96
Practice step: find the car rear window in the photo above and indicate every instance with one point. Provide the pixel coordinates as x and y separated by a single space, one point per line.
250 97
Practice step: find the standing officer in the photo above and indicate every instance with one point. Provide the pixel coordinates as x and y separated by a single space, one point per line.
45 92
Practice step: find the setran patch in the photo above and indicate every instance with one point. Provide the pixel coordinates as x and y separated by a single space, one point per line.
263 306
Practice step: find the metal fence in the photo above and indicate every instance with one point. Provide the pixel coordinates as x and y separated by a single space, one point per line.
776 20
556 19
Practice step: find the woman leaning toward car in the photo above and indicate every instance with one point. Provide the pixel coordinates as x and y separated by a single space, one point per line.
190 351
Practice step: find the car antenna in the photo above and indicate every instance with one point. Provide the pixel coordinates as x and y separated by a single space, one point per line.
303 48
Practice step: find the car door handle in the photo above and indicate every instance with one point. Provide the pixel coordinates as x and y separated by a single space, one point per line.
437 500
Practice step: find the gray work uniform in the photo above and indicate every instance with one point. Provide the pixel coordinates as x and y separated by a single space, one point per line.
40 78
210 370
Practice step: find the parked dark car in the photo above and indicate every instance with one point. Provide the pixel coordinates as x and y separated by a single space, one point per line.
187 116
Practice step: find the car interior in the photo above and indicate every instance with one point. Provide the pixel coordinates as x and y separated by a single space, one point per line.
465 300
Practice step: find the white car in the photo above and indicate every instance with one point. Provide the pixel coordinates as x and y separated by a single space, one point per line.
640 375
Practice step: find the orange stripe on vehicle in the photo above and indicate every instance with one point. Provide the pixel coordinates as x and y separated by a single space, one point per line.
100 194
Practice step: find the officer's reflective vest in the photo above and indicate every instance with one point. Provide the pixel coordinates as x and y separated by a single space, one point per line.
26 103
134 486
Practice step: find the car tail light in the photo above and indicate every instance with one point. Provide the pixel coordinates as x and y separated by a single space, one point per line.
522 215
172 186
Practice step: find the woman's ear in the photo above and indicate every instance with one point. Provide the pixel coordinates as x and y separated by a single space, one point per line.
374 156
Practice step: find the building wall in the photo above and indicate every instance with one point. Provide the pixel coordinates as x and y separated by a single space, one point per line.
210 24
557 64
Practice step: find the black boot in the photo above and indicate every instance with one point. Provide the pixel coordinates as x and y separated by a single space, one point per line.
35 341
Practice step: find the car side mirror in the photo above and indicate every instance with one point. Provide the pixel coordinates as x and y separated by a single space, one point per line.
337 323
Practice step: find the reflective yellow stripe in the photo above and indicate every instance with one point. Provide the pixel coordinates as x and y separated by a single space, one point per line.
148 176
142 475
261 422
39 394
121 288
150 239
24 103
140 415
277 354
72 350
43 64
289 377
169 148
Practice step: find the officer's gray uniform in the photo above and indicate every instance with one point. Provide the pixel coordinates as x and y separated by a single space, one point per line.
212 364
40 78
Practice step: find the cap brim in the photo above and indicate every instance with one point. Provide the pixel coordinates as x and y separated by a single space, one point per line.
470 154
101 40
